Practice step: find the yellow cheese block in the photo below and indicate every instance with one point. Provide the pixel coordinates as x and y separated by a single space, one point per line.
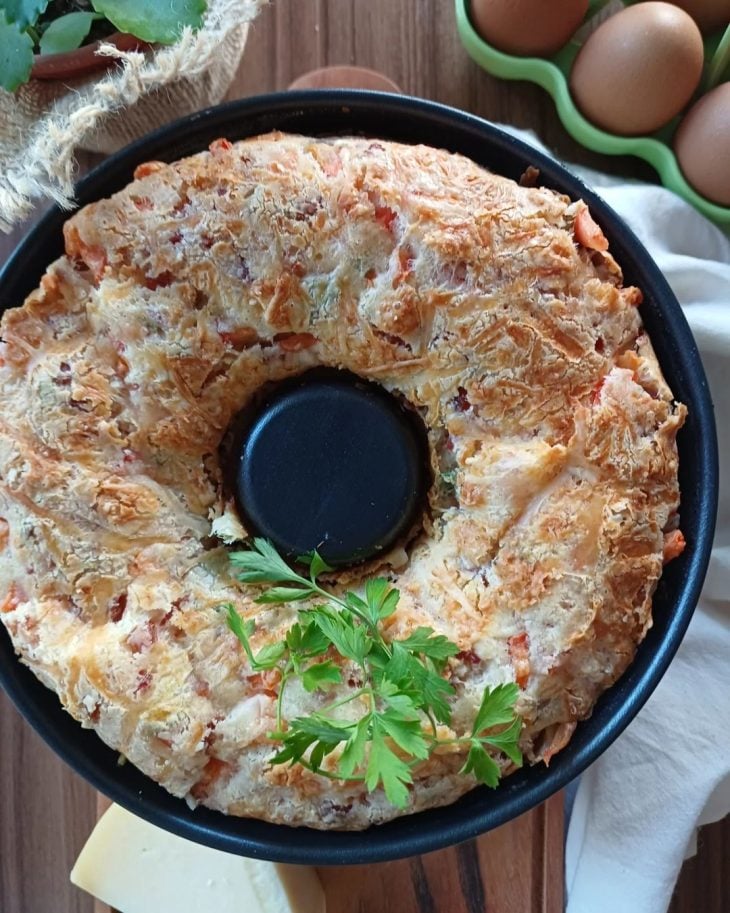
137 868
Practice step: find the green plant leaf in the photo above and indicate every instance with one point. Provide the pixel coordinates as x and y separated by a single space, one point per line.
353 754
319 732
380 600
349 639
306 641
157 21
484 768
384 766
425 642
320 676
401 682
507 741
261 563
405 731
295 744
323 728
396 668
281 594
376 590
389 604
266 658
23 12
497 707
67 32
319 751
269 656
428 690
432 692
16 55
315 562
357 604
400 700
242 629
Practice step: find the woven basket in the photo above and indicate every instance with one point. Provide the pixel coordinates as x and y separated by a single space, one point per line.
44 123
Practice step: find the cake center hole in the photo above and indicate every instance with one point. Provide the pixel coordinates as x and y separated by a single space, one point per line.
329 461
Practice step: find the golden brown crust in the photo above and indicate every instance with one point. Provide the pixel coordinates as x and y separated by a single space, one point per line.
495 309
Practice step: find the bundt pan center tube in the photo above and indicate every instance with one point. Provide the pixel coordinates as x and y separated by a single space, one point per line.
329 461
411 402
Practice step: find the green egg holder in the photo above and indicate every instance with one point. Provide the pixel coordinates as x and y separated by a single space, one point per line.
552 74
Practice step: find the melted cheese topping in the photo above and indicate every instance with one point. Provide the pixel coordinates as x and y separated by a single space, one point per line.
487 305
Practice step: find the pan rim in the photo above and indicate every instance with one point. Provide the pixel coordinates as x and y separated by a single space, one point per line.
481 809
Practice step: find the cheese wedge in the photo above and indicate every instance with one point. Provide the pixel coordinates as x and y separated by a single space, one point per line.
136 867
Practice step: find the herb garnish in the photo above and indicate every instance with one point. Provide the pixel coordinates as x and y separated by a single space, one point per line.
391 721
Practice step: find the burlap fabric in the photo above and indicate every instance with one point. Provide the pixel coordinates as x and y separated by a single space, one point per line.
44 123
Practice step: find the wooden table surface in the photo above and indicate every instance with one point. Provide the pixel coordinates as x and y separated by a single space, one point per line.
46 811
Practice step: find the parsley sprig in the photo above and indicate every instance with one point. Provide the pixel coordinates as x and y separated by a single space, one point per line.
388 723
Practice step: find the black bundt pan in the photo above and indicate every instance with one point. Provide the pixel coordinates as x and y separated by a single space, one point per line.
408 120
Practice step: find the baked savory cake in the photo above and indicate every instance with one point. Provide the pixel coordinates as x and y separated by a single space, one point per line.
495 309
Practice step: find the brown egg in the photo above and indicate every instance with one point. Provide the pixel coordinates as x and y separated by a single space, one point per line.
527 27
708 14
702 145
638 69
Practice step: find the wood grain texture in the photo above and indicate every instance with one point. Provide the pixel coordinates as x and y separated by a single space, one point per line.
517 867
46 814
46 811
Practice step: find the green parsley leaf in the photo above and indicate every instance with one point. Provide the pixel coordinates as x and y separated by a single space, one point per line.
269 656
394 668
152 20
384 766
320 676
348 638
295 746
507 741
261 563
405 731
24 12
266 658
380 599
323 728
389 604
429 691
425 642
318 753
484 768
497 707
376 589
433 692
67 32
306 641
281 594
400 692
242 629
358 605
353 754
315 562
16 55
401 701
311 731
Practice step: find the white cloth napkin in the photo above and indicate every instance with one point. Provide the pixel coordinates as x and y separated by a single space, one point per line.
638 806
